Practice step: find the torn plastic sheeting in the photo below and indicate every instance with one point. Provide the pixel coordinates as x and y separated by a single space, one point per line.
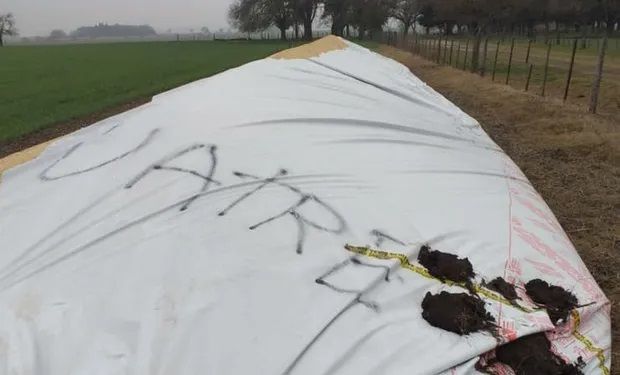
268 220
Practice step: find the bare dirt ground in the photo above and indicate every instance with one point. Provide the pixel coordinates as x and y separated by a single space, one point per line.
571 157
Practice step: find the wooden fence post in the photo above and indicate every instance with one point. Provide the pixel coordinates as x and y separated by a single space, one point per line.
527 55
429 51
512 48
429 44
598 75
445 52
451 50
466 52
431 48
475 53
495 63
483 68
458 54
419 45
428 48
570 69
529 76
439 50
544 84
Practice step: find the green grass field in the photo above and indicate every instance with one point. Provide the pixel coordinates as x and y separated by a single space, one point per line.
45 85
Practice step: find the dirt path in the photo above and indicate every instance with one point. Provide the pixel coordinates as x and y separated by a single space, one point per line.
571 157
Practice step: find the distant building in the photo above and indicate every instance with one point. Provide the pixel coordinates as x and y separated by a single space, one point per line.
103 30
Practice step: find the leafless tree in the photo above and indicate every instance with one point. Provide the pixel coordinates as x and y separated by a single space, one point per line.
255 15
407 12
305 12
7 26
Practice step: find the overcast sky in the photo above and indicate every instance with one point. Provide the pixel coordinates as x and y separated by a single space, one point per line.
39 17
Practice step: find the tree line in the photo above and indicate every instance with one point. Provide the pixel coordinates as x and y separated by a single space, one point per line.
256 15
519 16
367 17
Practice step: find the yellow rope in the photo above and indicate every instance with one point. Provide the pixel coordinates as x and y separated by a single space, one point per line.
406 264
600 353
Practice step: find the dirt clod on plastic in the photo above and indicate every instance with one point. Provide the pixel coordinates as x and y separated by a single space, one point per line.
557 301
503 287
532 355
446 266
460 313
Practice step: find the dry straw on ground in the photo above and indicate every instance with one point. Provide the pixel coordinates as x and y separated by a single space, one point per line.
314 49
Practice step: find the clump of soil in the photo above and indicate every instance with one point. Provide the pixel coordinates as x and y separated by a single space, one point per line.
446 266
558 301
504 288
532 355
460 313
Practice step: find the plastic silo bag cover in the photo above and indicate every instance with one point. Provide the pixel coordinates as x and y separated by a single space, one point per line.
322 211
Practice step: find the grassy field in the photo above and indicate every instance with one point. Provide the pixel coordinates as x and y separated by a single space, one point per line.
45 85
559 61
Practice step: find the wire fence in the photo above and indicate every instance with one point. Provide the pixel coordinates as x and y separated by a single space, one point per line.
563 68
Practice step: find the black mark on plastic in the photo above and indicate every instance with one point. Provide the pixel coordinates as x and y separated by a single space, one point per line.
302 222
44 174
161 165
